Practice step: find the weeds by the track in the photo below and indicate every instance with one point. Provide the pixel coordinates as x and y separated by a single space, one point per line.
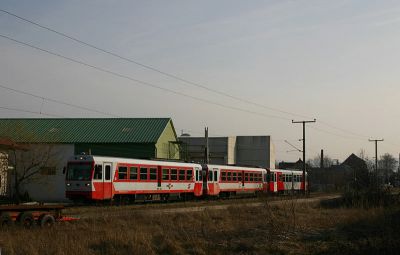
289 227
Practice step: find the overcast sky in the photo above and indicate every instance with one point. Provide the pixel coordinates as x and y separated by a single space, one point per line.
336 61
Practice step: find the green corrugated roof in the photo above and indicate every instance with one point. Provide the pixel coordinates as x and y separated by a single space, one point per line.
80 130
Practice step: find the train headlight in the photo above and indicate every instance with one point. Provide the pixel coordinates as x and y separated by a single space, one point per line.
87 184
68 184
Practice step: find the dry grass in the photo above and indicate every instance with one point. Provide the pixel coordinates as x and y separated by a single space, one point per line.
288 228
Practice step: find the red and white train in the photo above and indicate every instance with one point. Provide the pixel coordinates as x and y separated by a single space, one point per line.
91 177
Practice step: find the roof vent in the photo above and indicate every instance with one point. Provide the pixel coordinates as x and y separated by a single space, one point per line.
54 130
126 129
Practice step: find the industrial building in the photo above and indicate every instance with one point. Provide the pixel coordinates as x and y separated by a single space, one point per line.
118 137
233 150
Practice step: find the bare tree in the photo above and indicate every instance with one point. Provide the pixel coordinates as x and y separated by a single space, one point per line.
29 165
370 163
387 164
316 161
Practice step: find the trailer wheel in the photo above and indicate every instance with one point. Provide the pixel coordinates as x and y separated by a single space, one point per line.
46 220
5 220
26 219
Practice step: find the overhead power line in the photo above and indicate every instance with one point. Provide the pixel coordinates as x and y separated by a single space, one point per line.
148 84
28 111
170 75
174 76
57 101
138 82
336 134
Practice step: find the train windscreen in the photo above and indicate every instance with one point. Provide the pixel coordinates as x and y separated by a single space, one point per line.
79 172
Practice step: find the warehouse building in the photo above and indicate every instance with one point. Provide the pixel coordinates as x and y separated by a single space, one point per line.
118 137
233 150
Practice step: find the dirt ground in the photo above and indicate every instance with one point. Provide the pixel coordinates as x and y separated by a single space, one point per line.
287 227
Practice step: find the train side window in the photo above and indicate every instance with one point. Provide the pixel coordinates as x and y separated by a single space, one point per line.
229 176
223 176
98 172
251 177
133 174
165 174
210 176
143 173
189 175
239 176
153 173
181 174
234 176
200 175
246 177
215 176
174 174
122 173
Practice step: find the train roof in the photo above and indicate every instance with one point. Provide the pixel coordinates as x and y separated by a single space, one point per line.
131 161
286 171
229 167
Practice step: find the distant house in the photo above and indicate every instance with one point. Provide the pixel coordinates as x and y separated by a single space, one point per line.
292 165
353 172
119 137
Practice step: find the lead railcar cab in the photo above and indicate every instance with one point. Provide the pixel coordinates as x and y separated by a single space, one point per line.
91 177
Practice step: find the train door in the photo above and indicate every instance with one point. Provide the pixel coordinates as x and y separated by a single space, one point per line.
204 173
198 186
212 182
107 181
274 181
159 177
280 182
242 179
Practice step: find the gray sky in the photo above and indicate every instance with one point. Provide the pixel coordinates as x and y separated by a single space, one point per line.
336 61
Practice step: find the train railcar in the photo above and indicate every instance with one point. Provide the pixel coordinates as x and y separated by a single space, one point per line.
285 181
99 178
225 180
91 177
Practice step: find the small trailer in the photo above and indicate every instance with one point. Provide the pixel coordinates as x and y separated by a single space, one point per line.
29 215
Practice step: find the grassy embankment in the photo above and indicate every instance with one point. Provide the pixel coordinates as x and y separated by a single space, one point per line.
288 227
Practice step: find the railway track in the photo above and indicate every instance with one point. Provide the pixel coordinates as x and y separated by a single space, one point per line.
93 212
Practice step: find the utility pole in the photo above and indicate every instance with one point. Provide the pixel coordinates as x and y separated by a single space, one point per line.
206 152
376 156
322 160
304 149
